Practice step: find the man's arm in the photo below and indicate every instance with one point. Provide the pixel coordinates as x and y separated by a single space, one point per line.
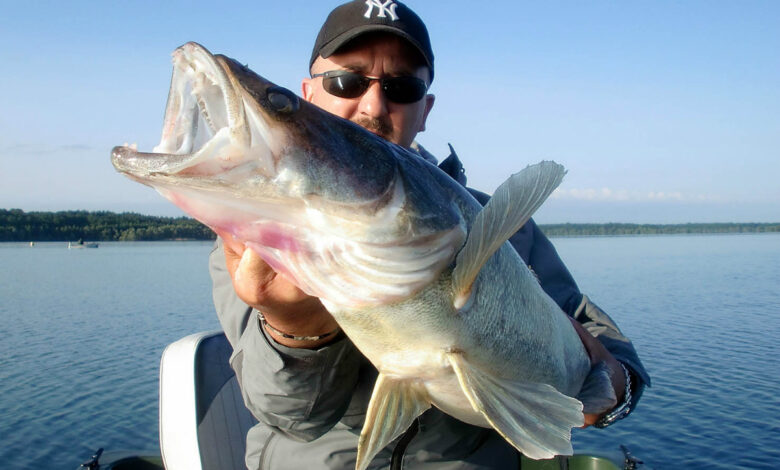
300 392
539 253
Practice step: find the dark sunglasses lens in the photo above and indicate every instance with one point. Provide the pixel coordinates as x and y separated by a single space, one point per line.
346 85
404 89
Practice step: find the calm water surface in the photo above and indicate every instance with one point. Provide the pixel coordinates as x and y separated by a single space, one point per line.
83 330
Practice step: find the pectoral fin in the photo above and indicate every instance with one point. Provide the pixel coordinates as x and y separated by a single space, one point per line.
535 418
512 204
597 394
393 407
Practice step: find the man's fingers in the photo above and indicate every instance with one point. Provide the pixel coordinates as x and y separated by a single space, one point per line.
598 353
231 246
590 420
253 278
251 268
254 281
244 264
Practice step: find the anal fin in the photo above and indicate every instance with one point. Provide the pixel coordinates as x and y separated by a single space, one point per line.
394 405
534 417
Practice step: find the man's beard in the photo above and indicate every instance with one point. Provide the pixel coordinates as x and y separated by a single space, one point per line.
381 127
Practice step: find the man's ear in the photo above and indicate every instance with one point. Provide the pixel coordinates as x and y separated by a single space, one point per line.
307 89
429 100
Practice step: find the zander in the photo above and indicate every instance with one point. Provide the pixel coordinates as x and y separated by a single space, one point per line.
417 273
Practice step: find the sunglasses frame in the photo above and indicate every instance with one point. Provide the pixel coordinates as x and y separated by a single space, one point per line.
364 82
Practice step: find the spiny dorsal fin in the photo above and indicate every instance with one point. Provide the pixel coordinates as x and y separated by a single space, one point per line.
513 203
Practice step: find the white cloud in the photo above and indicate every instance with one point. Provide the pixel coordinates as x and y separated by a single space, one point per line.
624 195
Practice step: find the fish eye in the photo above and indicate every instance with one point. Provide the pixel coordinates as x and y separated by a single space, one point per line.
283 100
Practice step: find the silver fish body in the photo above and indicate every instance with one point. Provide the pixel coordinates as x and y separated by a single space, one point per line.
415 271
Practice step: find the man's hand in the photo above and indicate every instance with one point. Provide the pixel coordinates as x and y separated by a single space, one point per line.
598 353
286 307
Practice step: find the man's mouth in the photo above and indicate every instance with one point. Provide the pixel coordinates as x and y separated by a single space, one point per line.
379 127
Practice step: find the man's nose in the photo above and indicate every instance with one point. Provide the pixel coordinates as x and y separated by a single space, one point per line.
373 102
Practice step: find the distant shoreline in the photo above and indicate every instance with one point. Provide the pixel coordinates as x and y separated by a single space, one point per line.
620 229
17 225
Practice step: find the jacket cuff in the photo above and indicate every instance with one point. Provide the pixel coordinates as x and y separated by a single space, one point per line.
600 325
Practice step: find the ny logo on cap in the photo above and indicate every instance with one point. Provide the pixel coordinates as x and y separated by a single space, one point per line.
383 7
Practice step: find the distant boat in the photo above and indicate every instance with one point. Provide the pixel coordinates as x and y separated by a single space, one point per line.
81 244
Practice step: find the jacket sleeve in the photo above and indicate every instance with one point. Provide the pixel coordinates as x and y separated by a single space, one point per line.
300 393
542 258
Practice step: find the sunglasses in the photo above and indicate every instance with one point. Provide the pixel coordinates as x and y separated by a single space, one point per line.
348 84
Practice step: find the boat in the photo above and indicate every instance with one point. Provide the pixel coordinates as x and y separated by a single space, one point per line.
203 420
122 460
82 244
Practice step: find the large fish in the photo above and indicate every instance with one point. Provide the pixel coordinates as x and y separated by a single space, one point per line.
415 271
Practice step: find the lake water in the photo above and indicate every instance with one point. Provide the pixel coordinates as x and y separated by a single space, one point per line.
83 330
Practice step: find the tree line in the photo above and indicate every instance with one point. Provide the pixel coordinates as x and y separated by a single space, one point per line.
613 229
17 225
20 226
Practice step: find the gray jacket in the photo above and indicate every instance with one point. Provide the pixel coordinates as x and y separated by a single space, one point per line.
311 403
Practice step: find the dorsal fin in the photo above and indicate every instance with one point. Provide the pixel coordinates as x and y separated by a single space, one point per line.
508 210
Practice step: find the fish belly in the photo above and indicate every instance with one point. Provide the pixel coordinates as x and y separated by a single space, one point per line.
447 395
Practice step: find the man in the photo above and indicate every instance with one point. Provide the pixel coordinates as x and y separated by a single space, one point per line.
300 376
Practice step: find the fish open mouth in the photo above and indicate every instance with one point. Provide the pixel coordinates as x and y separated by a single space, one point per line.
319 198
205 130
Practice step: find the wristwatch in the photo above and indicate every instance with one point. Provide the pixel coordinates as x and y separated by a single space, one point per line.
622 410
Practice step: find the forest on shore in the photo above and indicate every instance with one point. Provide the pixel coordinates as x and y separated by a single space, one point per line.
17 225
614 229
20 226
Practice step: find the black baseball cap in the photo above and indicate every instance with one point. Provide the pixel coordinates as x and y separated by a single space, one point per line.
358 17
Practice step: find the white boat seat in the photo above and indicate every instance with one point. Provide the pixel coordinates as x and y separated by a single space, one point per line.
203 420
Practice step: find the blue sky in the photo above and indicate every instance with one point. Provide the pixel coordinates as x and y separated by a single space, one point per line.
663 112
